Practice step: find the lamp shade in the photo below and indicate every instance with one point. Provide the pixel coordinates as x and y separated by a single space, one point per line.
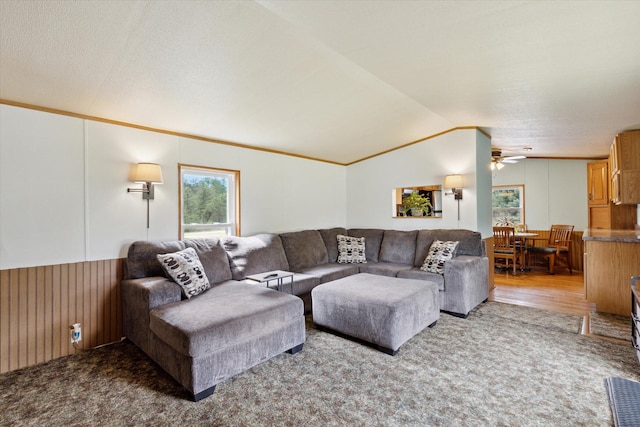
453 181
148 172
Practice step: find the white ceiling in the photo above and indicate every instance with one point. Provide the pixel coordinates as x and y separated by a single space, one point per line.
335 80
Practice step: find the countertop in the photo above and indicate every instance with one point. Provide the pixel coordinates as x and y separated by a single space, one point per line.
628 236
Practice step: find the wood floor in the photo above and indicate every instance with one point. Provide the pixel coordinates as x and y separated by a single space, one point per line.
561 291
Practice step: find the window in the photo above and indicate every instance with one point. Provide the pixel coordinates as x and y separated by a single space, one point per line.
208 202
508 205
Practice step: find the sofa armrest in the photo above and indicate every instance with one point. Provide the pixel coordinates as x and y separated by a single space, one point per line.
155 291
466 283
139 296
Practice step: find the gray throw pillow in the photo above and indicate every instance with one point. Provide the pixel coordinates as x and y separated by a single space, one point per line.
439 253
185 269
351 250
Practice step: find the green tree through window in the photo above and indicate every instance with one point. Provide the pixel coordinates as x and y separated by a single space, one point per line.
508 205
208 201
205 199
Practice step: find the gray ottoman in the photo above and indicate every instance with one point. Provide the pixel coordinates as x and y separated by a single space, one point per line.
385 311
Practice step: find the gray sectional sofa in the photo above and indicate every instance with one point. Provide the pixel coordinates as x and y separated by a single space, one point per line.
237 323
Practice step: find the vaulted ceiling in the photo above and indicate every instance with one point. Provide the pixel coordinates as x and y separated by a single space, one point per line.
335 80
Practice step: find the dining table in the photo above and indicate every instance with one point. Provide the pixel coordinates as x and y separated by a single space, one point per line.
524 237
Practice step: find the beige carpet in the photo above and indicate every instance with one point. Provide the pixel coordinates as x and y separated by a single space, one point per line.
610 325
547 319
496 368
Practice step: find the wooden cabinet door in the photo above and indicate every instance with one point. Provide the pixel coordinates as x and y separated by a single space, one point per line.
609 265
627 184
598 182
599 217
627 149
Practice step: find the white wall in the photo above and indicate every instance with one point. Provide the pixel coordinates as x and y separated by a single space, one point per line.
370 183
63 184
279 193
555 191
42 186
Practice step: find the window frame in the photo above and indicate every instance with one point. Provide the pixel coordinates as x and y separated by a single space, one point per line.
233 197
519 187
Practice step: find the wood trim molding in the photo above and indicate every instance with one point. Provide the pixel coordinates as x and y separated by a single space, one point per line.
219 141
249 147
489 246
418 141
163 131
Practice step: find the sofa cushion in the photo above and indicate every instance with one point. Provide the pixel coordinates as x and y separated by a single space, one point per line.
304 249
351 250
332 271
185 269
255 254
373 240
330 239
470 242
142 262
416 273
439 253
230 312
398 247
390 269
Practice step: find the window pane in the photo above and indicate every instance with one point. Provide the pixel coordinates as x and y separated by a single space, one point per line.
508 205
205 233
208 201
205 199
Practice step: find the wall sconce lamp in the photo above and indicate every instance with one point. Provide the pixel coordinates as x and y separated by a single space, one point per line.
146 174
454 182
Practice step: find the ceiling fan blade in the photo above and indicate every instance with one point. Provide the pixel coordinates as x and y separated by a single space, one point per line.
507 160
514 157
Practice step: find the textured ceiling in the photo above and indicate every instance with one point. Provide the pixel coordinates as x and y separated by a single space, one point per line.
335 80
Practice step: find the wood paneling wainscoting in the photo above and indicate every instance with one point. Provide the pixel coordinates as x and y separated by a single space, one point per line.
37 305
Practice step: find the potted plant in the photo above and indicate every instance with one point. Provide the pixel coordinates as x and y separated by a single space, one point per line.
417 203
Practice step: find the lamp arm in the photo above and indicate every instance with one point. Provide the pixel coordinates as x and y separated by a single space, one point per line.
146 190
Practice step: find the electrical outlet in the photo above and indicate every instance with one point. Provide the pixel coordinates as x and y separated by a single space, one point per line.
76 333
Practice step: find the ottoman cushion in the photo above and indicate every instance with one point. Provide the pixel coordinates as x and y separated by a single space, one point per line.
382 310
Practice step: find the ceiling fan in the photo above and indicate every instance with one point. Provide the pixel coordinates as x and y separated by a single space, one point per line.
498 161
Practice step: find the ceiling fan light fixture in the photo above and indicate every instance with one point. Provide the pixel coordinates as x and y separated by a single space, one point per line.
496 164
498 161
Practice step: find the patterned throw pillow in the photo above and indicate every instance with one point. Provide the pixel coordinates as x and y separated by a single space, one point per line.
185 268
351 250
439 252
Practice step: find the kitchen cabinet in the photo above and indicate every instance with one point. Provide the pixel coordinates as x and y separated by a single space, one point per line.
611 258
598 182
602 212
625 168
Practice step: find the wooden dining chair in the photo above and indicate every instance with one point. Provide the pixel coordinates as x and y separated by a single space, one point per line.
558 246
522 228
504 247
